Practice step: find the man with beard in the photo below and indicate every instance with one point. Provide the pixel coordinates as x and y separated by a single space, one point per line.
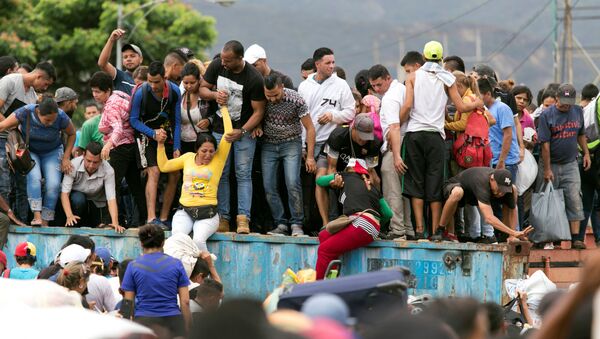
132 58
67 100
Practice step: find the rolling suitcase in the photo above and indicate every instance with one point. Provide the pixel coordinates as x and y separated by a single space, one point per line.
363 293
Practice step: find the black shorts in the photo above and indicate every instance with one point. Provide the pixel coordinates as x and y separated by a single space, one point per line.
175 325
448 187
150 153
424 155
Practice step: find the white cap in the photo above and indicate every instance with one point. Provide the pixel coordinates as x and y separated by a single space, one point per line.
72 253
253 53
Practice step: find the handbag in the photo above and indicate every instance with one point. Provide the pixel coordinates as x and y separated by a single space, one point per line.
548 216
515 320
201 212
17 150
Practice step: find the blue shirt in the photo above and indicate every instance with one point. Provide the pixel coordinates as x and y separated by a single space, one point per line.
155 278
23 273
42 139
504 119
135 115
123 82
561 130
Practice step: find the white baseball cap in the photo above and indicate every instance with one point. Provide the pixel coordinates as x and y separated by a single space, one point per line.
72 253
253 53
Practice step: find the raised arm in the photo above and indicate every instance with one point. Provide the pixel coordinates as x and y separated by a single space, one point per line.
166 165
103 62
224 146
458 102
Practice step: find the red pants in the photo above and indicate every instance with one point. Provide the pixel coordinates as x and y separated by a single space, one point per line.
333 245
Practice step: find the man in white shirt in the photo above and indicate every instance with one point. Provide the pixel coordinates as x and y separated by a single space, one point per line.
428 88
330 103
392 165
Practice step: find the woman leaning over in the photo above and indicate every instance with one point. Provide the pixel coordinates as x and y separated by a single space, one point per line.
45 122
202 171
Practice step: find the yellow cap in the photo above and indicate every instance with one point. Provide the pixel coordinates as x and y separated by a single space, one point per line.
433 50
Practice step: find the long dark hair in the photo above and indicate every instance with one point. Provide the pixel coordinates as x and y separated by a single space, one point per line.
202 138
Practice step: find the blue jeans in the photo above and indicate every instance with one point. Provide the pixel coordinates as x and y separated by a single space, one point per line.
47 167
243 153
13 187
290 155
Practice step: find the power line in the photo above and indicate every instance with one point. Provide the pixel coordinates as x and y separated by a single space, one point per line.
535 49
414 35
519 31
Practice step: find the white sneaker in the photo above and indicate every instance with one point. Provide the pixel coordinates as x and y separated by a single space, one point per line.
297 231
549 246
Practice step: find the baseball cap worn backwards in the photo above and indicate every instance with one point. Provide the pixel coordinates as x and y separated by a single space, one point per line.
25 248
433 50
364 126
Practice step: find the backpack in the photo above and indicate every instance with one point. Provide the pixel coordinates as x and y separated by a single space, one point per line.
144 88
590 119
472 148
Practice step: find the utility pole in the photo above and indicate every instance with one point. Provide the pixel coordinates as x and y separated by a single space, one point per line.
569 41
119 63
555 50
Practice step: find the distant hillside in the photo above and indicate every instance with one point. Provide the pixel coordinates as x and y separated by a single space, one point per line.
363 32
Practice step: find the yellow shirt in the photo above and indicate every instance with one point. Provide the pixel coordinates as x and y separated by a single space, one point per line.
200 183
460 119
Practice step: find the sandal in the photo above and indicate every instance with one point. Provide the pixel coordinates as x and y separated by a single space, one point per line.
36 222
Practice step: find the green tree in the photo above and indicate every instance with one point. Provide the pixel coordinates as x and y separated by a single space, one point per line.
71 33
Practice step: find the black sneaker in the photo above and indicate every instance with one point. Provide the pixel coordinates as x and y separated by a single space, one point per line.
438 235
419 236
487 240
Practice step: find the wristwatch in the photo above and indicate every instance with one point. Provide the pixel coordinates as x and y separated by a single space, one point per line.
244 131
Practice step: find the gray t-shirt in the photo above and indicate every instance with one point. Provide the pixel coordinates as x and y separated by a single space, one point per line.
99 290
11 89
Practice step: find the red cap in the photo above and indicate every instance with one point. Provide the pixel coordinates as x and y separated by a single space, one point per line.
3 259
25 248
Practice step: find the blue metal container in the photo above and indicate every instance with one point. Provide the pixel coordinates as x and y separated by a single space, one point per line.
253 264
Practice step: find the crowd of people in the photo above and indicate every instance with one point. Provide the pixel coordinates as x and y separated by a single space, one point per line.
438 157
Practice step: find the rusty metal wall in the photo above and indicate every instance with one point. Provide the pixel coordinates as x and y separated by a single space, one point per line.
253 264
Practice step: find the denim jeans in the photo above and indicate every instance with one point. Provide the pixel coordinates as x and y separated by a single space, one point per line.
47 167
90 214
243 153
13 187
290 155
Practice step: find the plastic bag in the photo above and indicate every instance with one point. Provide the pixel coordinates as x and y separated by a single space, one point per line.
548 216
527 173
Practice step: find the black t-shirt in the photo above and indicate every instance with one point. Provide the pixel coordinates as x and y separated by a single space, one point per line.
287 81
475 183
339 143
356 197
243 88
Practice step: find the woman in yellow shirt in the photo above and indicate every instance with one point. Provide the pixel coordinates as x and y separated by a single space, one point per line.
201 174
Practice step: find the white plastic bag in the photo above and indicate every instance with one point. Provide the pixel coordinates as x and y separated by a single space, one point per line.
527 173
